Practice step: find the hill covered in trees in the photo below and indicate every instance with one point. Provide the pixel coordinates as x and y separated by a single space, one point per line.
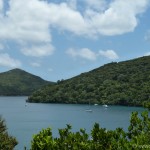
19 82
123 83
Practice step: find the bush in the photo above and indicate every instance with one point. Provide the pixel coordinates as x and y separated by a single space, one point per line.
138 135
7 142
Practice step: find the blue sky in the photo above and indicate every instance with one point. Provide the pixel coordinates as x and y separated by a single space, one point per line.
60 39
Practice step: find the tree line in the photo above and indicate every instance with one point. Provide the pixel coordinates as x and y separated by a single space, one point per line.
124 83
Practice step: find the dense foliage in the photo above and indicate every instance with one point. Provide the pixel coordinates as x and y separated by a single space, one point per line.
18 82
137 137
146 105
123 83
7 142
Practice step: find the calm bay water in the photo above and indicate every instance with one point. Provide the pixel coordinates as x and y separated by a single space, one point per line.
23 120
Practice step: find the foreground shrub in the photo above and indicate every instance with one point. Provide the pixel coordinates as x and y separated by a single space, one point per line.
7 142
137 137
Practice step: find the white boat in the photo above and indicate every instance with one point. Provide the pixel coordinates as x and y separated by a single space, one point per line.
95 104
105 106
88 110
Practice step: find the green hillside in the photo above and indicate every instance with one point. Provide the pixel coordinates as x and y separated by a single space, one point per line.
19 82
123 83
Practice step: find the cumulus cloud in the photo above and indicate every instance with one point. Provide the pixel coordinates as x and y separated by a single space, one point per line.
115 20
64 17
31 21
38 51
91 55
82 53
26 21
7 61
110 54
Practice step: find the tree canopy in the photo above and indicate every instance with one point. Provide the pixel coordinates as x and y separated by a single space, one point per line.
19 82
137 137
122 83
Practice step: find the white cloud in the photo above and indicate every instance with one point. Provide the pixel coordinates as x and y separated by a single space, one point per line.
110 54
38 51
35 64
82 53
30 21
119 18
114 20
64 17
90 55
26 21
7 61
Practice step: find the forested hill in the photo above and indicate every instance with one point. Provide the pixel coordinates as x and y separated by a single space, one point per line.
123 83
19 82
